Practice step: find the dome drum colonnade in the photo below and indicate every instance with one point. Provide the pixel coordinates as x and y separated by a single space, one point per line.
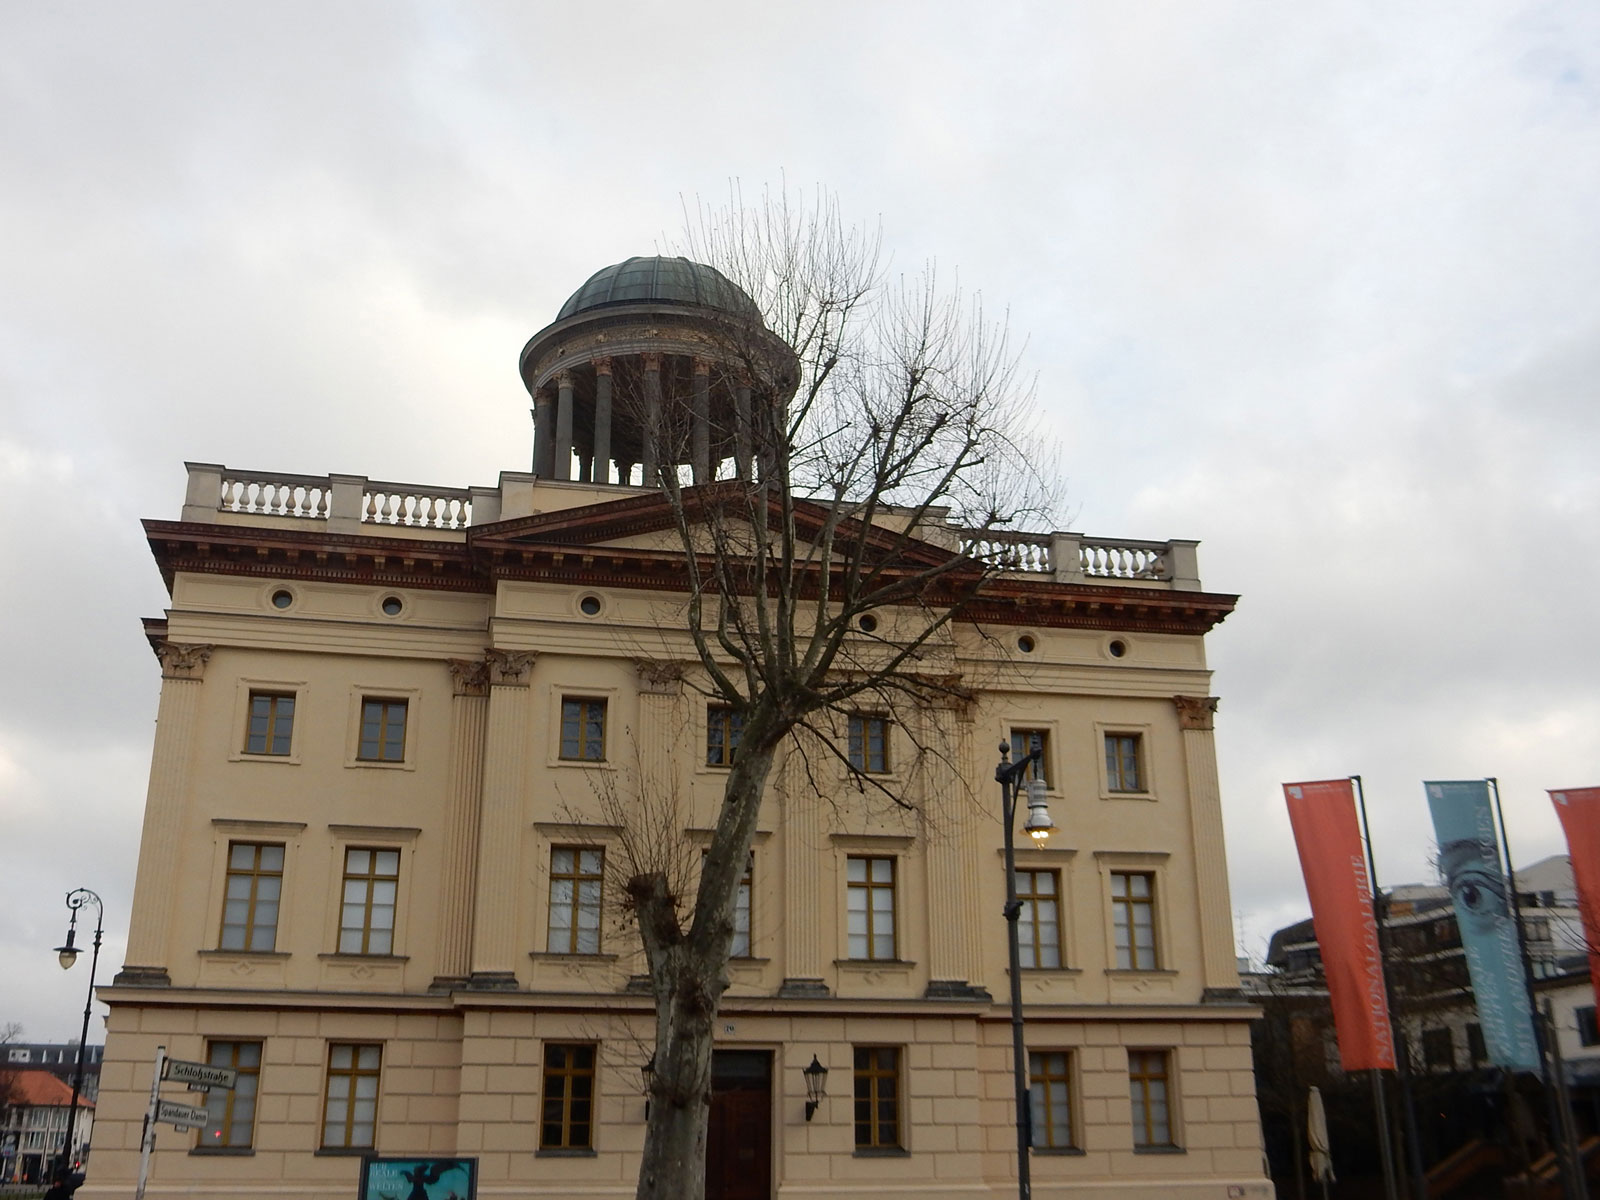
653 363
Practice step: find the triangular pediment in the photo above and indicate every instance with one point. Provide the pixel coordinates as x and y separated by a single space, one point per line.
646 522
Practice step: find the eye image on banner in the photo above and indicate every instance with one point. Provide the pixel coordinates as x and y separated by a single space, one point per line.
1579 810
1469 860
1323 816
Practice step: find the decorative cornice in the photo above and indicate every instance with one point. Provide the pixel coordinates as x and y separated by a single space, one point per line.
181 661
510 668
1195 712
469 676
659 678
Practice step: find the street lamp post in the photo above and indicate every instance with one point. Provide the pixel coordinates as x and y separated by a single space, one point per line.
1009 776
67 955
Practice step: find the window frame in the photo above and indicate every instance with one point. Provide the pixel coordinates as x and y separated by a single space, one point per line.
871 887
229 1097
1151 902
387 703
577 877
582 700
239 734
1028 919
1115 773
872 1074
858 727
1040 1100
1137 1073
566 1074
1045 734
273 698
255 875
1145 733
1439 1049
354 1073
371 878
732 731
1587 1025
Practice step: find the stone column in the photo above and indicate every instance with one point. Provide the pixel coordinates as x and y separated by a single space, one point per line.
650 455
498 891
955 952
741 431
544 434
562 467
807 871
602 420
469 716
166 804
1219 968
700 430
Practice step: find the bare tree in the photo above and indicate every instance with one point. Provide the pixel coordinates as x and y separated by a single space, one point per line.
882 440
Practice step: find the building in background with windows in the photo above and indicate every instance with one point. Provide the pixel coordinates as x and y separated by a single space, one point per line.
379 880
33 1123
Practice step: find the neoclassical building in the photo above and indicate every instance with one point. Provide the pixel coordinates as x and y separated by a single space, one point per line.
377 871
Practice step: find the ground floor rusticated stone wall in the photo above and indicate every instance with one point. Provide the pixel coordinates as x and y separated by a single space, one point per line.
465 1075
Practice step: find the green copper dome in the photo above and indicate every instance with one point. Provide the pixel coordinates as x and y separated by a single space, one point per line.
658 280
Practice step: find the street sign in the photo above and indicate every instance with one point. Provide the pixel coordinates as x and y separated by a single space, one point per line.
200 1076
181 1114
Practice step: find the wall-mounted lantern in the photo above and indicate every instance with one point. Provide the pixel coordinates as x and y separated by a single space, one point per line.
816 1075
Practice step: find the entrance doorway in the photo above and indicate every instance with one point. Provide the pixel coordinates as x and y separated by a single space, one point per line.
739 1138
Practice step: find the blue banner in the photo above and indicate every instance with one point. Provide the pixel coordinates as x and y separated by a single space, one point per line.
1469 860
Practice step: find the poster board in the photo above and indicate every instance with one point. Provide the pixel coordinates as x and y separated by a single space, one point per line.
419 1178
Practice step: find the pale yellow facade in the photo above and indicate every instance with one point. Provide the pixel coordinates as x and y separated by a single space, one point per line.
468 995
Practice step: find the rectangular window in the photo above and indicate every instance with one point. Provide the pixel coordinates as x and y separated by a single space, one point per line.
869 744
567 1116
877 1079
350 1108
1147 1089
383 731
1438 1050
576 876
233 1113
253 889
1123 773
1480 1052
271 723
583 730
724 728
1023 743
1588 1027
870 905
1050 1098
371 885
1133 917
1039 924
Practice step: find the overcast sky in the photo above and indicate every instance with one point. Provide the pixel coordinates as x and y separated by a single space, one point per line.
1314 283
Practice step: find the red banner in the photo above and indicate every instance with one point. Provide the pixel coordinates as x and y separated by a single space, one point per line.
1579 810
1329 840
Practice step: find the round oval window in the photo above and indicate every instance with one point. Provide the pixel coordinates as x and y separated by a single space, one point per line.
869 624
282 599
1025 644
1118 648
589 606
392 606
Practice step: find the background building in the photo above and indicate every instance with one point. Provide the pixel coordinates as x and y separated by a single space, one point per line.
378 866
33 1122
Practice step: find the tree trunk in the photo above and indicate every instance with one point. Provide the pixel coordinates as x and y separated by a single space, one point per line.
688 971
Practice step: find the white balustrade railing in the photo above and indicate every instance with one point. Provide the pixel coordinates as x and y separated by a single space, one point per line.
406 504
1011 551
274 495
1104 558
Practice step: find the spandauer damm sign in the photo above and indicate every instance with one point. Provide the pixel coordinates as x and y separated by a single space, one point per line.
419 1179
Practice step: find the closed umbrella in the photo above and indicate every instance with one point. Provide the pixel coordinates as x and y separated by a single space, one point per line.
1317 1132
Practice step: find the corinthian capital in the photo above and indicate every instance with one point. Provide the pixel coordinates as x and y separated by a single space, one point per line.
510 668
1195 712
659 677
469 676
183 661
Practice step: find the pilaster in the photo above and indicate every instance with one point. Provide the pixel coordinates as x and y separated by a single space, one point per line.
166 802
602 420
1218 964
807 870
468 724
660 726
505 771
955 951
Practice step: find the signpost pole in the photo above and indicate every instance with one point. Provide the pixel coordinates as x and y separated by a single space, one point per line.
147 1140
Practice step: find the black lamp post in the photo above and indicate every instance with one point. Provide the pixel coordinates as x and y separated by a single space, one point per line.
1009 776
67 955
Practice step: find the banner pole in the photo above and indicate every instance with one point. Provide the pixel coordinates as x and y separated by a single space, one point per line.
1380 910
1571 1180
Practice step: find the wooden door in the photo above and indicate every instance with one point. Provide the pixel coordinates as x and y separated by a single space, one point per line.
739 1139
